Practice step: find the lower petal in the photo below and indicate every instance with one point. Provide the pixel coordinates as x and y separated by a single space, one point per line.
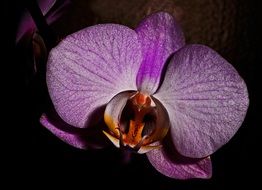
169 162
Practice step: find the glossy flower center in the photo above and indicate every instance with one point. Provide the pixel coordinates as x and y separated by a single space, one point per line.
142 122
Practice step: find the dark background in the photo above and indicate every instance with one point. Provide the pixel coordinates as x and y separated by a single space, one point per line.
35 157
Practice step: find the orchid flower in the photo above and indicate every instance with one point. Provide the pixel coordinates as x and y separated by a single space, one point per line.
176 103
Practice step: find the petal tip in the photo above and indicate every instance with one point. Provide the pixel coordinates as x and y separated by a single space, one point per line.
176 166
72 139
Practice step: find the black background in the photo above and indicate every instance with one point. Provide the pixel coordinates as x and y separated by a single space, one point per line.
36 158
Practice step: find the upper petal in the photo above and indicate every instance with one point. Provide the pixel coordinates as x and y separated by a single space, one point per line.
160 36
169 162
89 67
206 100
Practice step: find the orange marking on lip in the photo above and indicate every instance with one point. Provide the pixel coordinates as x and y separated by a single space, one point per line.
134 135
129 133
141 100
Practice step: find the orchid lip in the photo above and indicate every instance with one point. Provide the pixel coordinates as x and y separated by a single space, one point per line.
136 124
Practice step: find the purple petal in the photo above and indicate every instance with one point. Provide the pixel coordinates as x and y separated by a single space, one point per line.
160 36
206 100
170 163
27 24
89 67
79 138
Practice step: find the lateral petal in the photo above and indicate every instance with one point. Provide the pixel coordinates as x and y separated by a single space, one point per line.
206 100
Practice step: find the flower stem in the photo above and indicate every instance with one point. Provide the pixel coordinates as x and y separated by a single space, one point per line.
44 29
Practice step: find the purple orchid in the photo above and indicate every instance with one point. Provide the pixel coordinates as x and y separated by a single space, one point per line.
177 103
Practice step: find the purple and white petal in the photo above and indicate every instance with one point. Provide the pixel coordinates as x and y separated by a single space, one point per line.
79 138
160 36
90 67
206 100
169 162
178 167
